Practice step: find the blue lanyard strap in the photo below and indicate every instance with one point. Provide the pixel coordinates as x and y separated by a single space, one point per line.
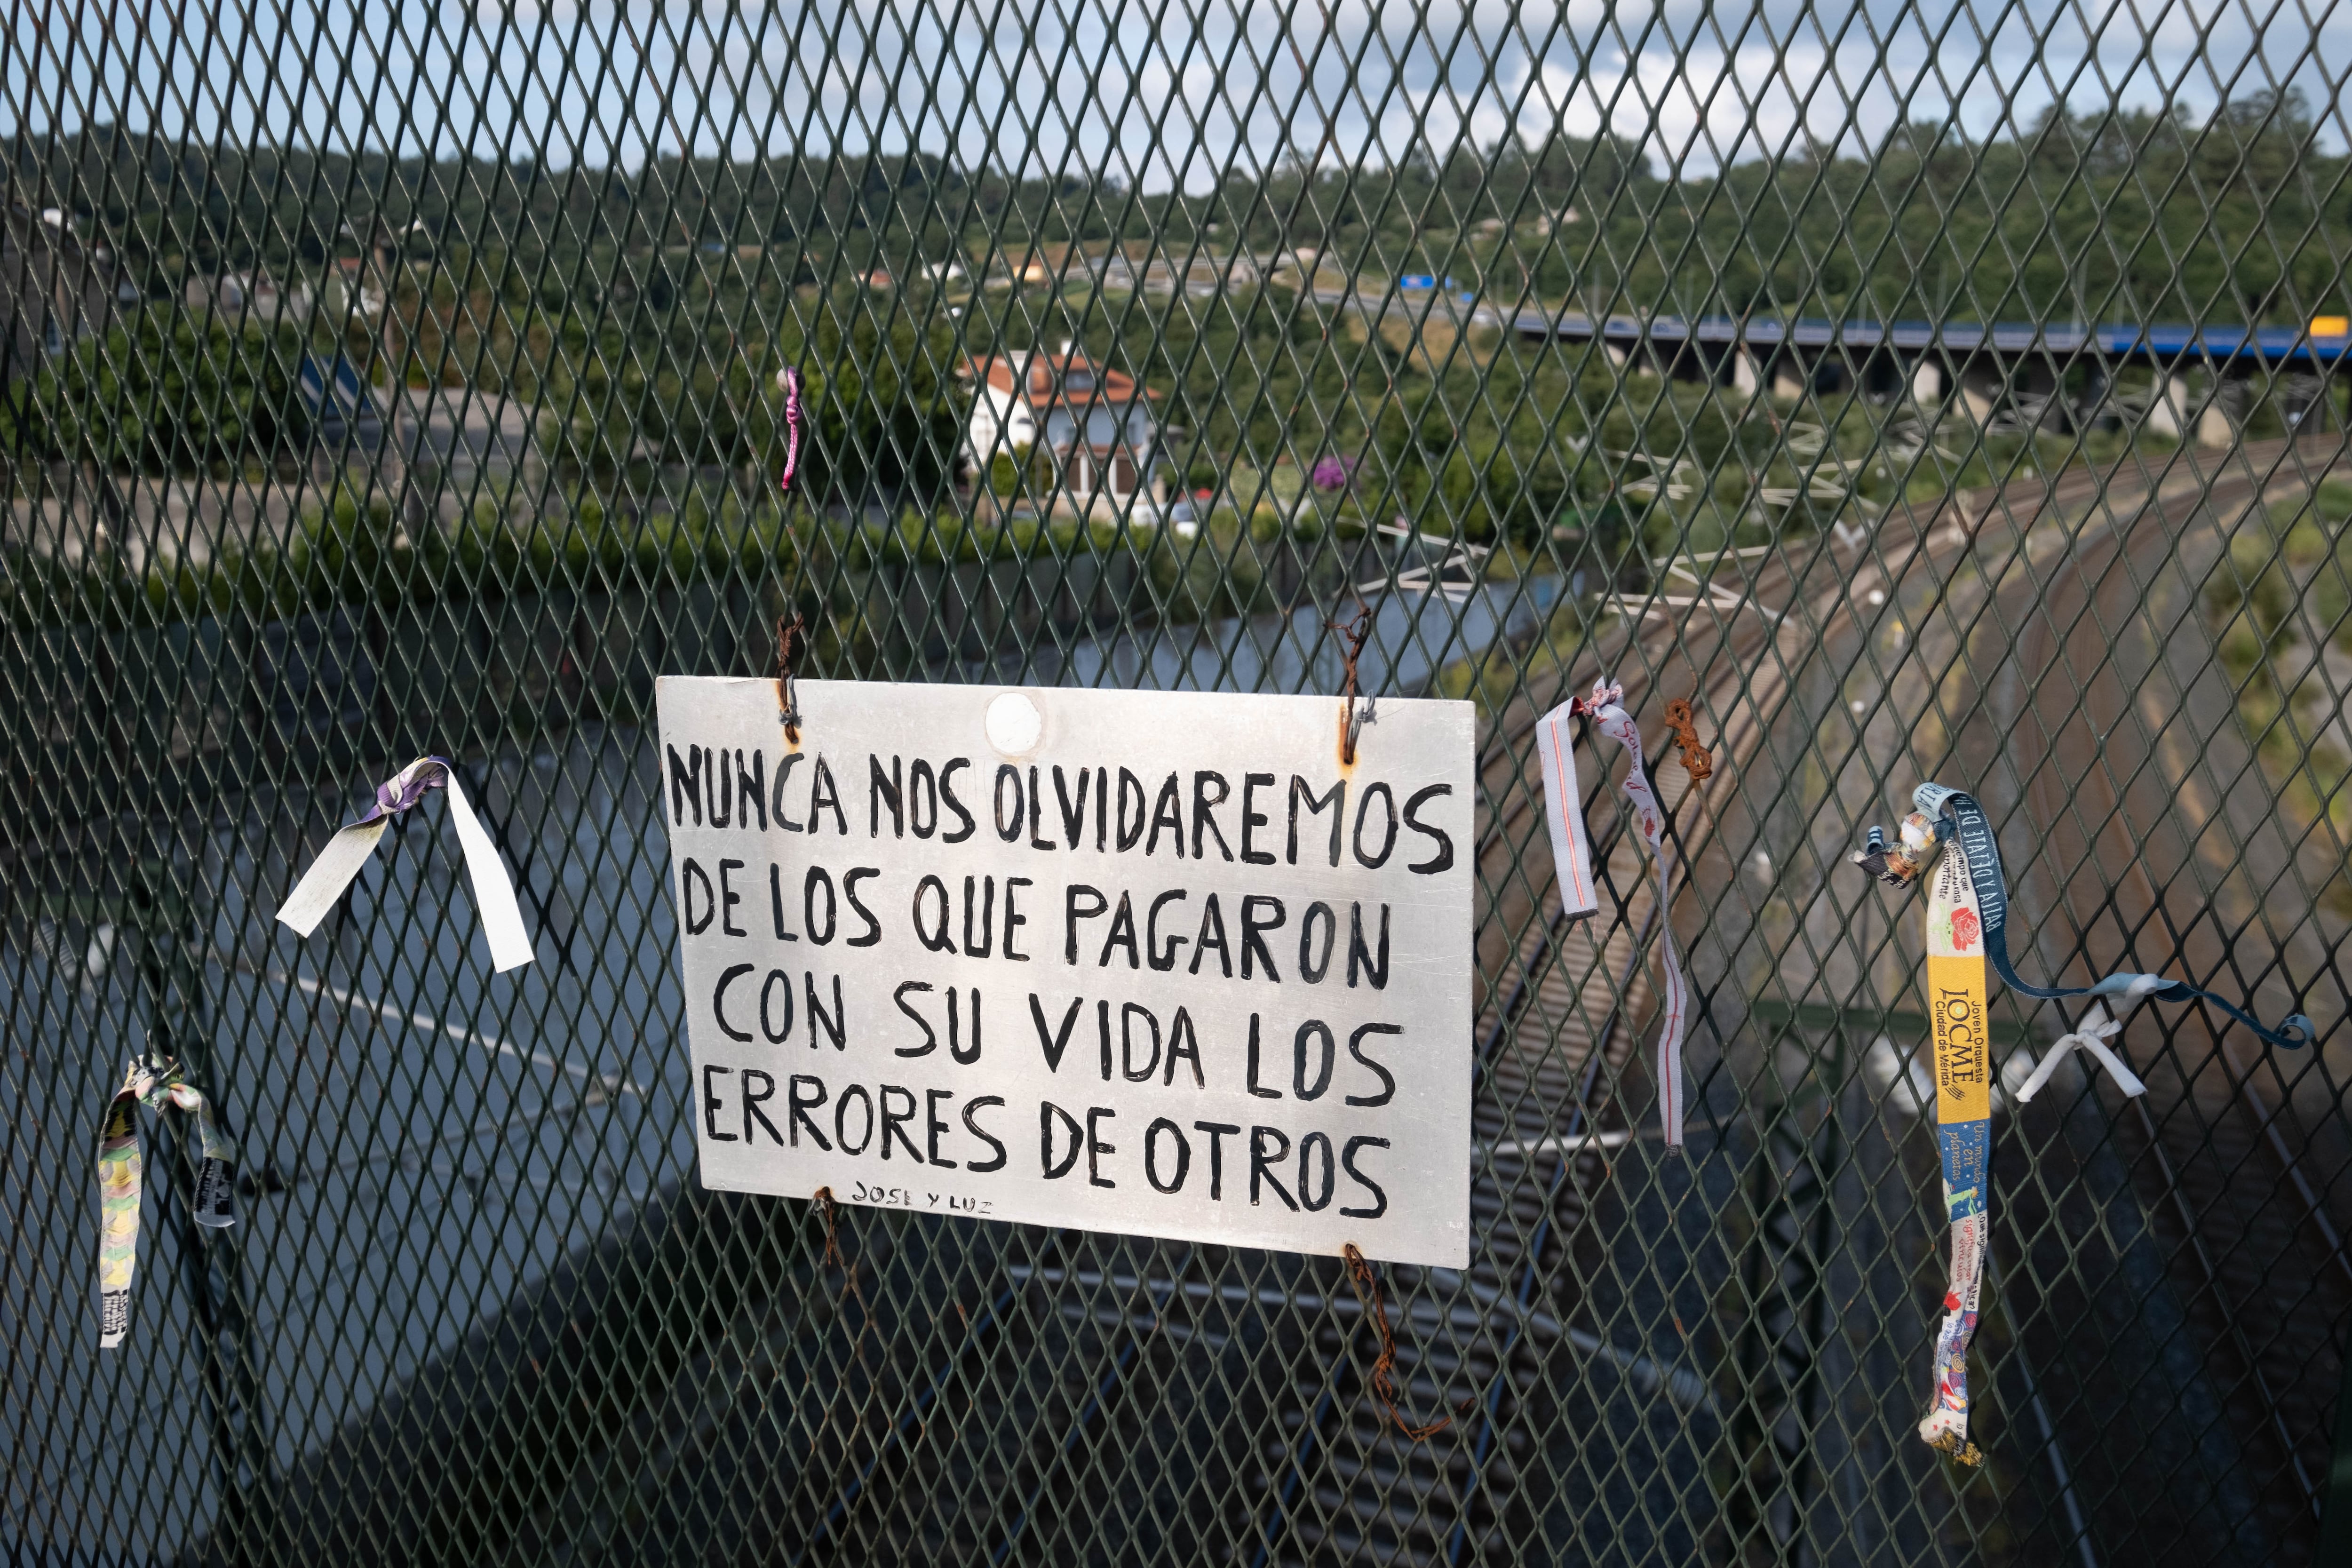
1975 841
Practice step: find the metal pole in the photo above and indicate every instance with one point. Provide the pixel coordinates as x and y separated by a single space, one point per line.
2335 1514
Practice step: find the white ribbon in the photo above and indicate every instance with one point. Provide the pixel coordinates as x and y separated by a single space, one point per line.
1571 851
351 847
2092 1035
1572 860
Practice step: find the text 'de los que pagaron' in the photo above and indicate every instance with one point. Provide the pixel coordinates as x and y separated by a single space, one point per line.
1151 963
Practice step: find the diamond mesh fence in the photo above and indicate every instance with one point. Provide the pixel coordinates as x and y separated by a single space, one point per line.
1918 392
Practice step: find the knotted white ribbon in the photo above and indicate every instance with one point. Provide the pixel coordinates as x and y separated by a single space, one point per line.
350 850
1572 859
2091 1034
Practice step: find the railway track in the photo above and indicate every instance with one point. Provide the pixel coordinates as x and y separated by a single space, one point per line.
1255 1375
1567 1005
2229 1173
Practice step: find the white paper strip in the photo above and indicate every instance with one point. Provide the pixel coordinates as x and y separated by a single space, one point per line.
323 884
1571 851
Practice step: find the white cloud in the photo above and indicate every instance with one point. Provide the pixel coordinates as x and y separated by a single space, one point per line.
1161 92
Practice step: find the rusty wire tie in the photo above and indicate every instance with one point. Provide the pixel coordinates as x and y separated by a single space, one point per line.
823 1196
833 1257
1382 1379
1698 761
787 698
1352 635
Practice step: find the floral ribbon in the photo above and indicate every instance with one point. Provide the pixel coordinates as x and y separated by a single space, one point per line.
119 1177
1956 1014
1572 859
1967 918
348 852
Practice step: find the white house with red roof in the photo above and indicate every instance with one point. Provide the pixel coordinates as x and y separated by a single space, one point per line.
1088 431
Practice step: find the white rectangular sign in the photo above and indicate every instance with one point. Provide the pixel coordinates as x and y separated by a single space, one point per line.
1152 963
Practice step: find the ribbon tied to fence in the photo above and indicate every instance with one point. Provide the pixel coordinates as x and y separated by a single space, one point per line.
1963 1053
1967 927
348 852
1572 858
120 1171
2091 1035
1973 833
794 414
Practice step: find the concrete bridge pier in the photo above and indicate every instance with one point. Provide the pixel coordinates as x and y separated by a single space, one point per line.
2216 427
2094 409
2310 403
2167 406
1927 382
2174 410
1982 388
2037 382
2223 409
1744 379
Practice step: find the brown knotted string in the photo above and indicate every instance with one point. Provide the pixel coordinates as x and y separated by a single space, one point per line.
1384 1378
790 711
1698 761
1352 636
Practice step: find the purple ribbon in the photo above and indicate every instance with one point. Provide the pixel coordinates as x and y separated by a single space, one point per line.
791 379
404 789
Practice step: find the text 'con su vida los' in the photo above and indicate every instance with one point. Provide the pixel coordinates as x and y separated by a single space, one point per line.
1063 944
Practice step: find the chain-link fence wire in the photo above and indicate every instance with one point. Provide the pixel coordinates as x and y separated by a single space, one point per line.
1919 393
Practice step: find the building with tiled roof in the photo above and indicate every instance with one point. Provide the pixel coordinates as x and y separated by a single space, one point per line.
1087 431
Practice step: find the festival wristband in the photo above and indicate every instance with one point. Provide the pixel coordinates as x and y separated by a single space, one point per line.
1975 842
119 1172
1956 1012
1572 859
350 850
1967 924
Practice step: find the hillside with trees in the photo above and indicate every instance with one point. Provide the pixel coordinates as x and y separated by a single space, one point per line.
645 312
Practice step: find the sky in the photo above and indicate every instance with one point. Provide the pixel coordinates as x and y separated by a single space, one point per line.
1159 92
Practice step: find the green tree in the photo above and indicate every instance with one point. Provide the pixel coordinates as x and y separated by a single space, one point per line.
163 391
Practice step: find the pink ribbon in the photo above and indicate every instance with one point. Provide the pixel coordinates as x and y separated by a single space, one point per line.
792 431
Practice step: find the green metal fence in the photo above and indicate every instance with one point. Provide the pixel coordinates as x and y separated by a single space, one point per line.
1919 395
